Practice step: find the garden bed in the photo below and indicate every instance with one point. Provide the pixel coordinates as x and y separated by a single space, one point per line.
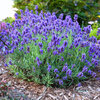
49 58
23 90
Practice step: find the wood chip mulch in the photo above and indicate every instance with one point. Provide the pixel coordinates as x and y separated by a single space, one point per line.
23 90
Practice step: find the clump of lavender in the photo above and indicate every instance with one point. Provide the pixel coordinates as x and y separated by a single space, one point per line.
60 51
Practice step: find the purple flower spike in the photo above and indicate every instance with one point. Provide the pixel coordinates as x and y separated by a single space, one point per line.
48 49
64 68
85 69
98 32
62 59
72 66
49 68
40 44
60 82
90 72
10 62
33 68
37 59
6 65
56 70
65 78
36 7
69 72
80 74
75 17
83 56
28 49
55 52
41 51
65 43
79 84
17 73
98 41
57 75
94 74
16 15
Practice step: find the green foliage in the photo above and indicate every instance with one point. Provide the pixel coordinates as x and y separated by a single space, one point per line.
95 27
8 20
86 9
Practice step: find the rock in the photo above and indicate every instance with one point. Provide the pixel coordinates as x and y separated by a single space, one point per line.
0 64
9 83
98 89
2 71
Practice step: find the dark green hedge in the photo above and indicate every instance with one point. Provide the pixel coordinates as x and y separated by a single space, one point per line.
86 9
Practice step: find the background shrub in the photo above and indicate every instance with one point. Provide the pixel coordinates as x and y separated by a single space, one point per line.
8 20
87 10
95 30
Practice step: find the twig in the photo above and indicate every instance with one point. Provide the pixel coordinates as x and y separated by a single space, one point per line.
96 97
41 96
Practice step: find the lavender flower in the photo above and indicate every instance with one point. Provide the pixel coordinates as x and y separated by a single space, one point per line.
79 84
65 43
72 66
36 7
17 73
90 72
37 59
56 70
6 65
49 68
60 82
55 52
85 69
65 78
41 51
64 69
33 68
94 74
57 75
28 49
10 62
75 17
62 59
69 72
80 74
40 45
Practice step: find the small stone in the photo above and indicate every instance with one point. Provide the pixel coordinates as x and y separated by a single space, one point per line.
9 83
98 89
0 64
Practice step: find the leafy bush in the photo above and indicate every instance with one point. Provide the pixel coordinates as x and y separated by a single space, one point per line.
84 8
51 51
95 31
8 20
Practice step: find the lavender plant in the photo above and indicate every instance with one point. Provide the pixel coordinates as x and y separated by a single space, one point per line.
49 50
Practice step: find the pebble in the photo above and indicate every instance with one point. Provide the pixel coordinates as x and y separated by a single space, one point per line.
0 64
2 71
98 89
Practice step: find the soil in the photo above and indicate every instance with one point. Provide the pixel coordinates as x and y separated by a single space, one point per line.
23 90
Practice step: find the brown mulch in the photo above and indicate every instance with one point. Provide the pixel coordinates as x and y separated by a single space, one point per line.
90 89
